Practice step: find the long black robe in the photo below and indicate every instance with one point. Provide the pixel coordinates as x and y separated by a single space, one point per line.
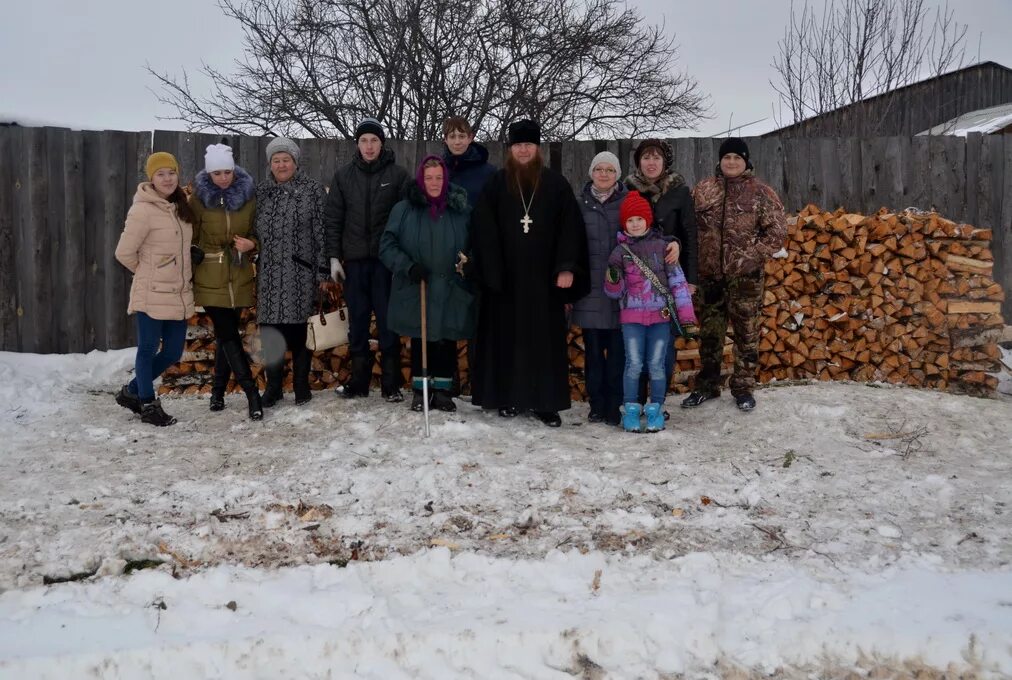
521 356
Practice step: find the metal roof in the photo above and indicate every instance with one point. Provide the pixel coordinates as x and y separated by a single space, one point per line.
986 121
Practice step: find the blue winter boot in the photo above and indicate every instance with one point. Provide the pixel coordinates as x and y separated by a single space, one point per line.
631 417
655 417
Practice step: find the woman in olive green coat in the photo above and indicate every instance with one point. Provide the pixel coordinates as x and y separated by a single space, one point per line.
425 240
223 201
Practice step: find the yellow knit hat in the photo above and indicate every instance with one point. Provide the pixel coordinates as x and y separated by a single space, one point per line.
159 160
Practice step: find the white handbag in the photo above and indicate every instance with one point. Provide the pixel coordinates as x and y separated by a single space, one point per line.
327 331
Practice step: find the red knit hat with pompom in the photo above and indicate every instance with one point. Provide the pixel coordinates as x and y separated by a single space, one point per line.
634 205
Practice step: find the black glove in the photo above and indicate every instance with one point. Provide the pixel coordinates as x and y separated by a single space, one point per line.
418 273
196 255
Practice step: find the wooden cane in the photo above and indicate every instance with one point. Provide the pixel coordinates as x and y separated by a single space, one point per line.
425 364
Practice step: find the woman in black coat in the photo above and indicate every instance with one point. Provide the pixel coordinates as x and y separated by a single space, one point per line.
655 178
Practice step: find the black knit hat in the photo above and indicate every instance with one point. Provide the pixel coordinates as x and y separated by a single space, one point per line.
734 145
524 132
370 126
660 146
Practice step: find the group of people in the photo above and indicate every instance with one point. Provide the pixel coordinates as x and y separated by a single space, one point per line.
503 258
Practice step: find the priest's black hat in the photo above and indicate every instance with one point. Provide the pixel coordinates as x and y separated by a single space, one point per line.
524 131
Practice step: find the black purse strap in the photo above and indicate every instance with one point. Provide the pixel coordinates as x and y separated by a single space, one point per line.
647 272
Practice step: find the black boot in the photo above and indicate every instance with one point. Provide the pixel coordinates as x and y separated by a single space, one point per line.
128 399
301 363
443 401
418 401
152 414
392 379
361 374
222 372
698 397
275 380
239 364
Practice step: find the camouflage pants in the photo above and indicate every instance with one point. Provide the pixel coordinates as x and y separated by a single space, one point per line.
738 300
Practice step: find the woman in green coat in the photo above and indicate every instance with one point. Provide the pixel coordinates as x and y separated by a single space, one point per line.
426 239
224 204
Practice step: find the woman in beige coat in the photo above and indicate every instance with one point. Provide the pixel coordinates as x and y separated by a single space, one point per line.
155 246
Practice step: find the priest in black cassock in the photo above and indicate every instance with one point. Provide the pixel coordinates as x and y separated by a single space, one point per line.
530 259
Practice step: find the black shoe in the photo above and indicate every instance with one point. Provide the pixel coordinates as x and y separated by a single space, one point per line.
442 401
697 398
303 398
667 416
272 398
274 392
152 414
361 374
217 402
349 391
418 401
549 418
394 397
128 400
595 417
256 406
746 402
222 372
508 412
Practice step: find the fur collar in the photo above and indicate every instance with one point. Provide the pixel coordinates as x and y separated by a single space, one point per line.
235 197
456 198
653 190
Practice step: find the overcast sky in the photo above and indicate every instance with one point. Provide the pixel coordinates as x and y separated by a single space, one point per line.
81 64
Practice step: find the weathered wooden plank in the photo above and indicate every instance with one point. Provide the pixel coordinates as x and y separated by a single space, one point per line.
947 175
770 167
919 176
66 160
113 187
850 189
875 188
972 178
1002 248
247 154
35 290
9 339
797 169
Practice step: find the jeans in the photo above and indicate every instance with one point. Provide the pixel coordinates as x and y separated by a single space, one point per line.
645 345
367 291
603 366
150 363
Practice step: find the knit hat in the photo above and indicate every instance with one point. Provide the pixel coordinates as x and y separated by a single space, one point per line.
734 145
159 160
524 131
218 157
283 144
661 146
605 157
634 205
370 126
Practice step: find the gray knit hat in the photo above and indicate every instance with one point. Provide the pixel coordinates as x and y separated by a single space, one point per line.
279 144
605 157
370 126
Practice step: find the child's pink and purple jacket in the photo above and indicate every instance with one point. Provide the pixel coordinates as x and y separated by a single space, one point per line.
638 301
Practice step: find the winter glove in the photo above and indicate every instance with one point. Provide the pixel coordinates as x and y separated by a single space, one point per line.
614 275
336 270
690 330
196 255
418 273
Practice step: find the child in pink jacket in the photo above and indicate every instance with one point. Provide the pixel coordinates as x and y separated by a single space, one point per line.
649 293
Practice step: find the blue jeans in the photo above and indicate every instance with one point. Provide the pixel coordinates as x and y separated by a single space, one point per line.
645 345
150 363
603 367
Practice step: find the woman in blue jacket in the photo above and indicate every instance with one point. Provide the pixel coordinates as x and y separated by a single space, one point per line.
426 239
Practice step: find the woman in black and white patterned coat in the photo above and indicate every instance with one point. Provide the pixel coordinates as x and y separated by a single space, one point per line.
289 227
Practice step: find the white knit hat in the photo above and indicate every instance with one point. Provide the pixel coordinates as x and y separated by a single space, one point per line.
218 157
605 157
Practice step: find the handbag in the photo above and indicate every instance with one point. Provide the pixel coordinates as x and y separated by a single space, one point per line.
327 331
669 301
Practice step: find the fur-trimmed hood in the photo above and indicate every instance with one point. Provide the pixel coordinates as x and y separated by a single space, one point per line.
241 191
456 198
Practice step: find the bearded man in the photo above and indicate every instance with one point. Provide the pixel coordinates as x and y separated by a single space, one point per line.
530 259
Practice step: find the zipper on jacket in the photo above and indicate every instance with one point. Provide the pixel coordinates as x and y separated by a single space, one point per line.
182 261
228 233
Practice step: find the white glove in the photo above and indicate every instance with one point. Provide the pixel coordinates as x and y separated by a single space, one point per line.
336 270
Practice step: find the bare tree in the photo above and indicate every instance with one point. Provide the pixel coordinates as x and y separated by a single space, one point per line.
582 68
858 49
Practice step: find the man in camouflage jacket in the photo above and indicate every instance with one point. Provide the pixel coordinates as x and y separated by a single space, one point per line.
741 224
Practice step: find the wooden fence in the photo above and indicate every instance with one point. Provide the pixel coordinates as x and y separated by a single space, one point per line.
64 194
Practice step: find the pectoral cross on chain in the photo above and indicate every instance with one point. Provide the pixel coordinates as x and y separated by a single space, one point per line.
527 222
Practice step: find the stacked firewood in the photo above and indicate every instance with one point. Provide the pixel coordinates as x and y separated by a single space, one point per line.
903 298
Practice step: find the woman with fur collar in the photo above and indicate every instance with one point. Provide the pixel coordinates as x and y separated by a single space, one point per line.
224 204
426 239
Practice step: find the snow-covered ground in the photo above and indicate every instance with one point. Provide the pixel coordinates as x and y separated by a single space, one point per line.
838 528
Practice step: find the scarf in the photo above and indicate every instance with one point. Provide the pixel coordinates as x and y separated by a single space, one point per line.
602 196
654 189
